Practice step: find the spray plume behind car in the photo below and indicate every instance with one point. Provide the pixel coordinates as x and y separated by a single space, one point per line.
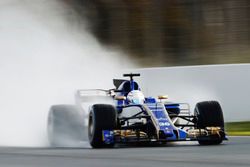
45 54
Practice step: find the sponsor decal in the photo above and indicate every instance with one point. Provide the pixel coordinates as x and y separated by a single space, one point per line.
164 124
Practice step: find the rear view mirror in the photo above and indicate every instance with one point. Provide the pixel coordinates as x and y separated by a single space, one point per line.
162 97
120 98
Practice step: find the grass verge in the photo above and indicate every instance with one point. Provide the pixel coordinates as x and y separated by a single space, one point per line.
238 128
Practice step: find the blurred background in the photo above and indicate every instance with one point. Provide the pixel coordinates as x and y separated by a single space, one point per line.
171 32
50 48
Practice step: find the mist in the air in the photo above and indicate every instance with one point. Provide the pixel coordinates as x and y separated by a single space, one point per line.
45 55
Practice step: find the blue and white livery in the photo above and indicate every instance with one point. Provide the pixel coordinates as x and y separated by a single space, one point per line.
134 118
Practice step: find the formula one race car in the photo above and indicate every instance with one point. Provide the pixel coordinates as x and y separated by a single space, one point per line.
129 117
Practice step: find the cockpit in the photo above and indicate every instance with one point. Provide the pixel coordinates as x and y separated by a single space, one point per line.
129 89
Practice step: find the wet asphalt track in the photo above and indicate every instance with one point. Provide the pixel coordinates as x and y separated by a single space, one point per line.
235 152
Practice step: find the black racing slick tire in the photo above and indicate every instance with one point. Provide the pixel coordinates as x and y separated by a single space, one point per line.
209 114
65 126
101 117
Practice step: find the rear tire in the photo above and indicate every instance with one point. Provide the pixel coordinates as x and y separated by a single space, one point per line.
209 114
65 126
101 117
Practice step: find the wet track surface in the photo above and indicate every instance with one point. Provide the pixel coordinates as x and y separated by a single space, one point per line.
235 152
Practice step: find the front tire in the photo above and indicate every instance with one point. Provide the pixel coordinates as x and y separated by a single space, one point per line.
209 114
101 117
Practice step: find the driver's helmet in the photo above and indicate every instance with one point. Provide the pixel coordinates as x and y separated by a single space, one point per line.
135 97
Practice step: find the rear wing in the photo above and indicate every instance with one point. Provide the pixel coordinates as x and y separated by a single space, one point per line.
93 92
86 98
89 95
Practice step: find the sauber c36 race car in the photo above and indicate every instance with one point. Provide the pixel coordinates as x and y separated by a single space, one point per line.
129 117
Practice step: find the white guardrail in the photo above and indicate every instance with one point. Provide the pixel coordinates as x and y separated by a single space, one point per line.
229 84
